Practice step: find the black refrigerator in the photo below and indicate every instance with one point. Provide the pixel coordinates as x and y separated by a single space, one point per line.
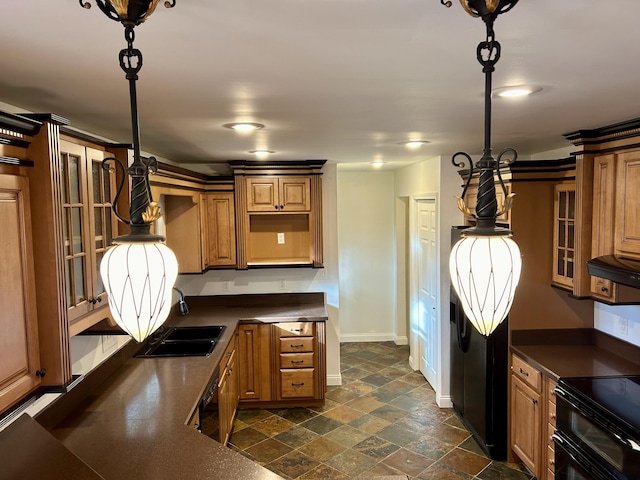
479 369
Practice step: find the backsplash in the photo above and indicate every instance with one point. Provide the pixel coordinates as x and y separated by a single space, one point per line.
621 321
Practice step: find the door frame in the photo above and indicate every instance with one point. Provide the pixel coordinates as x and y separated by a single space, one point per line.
414 297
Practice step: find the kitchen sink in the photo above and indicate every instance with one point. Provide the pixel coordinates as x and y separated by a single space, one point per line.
182 342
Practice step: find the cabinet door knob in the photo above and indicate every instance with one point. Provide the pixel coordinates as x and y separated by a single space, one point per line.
535 402
281 207
604 289
277 207
41 373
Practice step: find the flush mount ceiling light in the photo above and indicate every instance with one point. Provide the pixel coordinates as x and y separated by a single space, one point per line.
485 264
262 153
516 91
244 126
413 143
139 271
377 164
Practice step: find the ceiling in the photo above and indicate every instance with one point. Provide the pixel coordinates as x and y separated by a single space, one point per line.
343 80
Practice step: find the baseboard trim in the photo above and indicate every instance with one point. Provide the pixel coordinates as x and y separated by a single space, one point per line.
367 337
411 364
334 380
444 401
403 340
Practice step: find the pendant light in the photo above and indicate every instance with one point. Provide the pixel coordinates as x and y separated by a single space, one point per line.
485 263
139 270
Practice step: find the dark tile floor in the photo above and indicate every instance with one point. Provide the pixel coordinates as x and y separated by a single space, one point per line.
383 420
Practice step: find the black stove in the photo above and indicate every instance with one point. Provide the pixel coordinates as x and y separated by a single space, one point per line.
598 428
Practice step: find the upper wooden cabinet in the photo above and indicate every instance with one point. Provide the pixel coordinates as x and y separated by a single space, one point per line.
608 216
278 194
278 213
88 227
564 245
19 369
220 235
627 228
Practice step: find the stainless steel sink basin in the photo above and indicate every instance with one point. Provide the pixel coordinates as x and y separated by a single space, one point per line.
182 342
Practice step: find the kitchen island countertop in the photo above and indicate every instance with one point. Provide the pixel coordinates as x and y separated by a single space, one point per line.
134 424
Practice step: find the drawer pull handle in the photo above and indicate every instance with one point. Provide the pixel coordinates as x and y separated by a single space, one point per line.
297 362
524 372
297 384
535 402
553 416
297 345
295 330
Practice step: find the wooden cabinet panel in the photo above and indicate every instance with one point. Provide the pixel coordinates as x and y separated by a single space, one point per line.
89 227
278 194
221 229
299 344
564 244
18 323
297 383
297 360
295 329
525 419
228 394
604 192
627 241
255 353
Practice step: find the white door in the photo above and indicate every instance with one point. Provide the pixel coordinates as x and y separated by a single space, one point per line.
427 268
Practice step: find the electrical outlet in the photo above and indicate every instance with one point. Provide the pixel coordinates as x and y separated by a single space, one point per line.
282 285
108 342
622 326
226 286
280 238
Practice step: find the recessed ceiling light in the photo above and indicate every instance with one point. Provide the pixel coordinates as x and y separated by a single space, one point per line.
262 153
516 91
377 164
413 143
244 126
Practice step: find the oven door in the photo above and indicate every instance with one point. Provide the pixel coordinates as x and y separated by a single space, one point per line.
573 464
603 443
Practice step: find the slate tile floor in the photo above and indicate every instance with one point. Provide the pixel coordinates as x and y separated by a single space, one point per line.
383 420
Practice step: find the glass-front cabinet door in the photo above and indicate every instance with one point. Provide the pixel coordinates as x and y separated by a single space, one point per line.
564 234
88 226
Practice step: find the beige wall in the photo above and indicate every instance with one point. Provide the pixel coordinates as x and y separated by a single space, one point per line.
366 255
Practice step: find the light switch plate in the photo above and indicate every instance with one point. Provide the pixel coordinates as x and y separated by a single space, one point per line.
280 238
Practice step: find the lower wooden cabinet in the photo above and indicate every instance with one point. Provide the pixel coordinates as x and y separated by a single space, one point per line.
282 364
526 414
551 428
18 322
228 391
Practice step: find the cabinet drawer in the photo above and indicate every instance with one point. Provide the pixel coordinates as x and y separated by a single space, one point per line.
552 413
551 429
296 360
303 344
526 373
551 461
551 388
297 383
296 329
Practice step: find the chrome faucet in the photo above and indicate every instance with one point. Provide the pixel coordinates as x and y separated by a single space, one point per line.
184 309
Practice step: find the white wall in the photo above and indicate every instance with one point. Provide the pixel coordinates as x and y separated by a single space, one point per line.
434 176
280 280
366 256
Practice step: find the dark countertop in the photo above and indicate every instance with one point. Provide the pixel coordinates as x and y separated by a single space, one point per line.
134 424
576 353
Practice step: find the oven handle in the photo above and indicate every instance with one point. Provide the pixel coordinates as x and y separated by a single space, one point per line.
587 413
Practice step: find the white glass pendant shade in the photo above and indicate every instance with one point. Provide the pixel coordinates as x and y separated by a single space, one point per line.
485 271
138 278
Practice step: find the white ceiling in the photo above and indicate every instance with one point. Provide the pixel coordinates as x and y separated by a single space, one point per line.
343 80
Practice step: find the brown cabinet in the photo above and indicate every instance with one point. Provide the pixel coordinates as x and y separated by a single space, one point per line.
627 227
278 213
18 322
297 353
564 245
255 357
228 390
282 364
526 414
286 193
604 192
220 235
88 228
551 428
